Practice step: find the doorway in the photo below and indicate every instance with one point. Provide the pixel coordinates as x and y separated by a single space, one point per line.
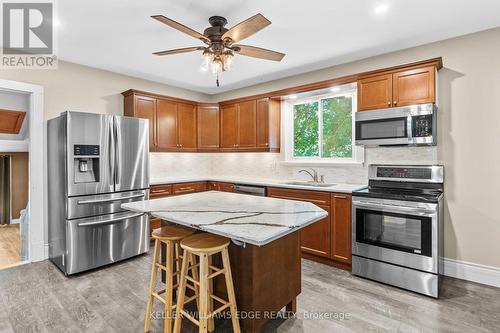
22 174
14 187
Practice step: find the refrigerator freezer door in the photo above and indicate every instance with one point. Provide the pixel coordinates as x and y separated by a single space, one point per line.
100 204
97 241
90 154
132 154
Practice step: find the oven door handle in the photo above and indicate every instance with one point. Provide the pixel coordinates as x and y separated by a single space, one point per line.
406 209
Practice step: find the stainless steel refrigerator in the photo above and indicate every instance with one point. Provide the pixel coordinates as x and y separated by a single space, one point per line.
95 163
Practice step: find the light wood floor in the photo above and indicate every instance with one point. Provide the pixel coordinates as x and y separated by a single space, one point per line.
38 298
10 246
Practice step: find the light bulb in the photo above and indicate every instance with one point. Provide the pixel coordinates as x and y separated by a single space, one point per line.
228 61
216 65
207 59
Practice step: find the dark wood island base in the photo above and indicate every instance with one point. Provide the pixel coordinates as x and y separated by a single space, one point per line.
266 280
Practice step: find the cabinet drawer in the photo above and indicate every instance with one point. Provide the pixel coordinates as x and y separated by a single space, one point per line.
315 197
159 191
185 188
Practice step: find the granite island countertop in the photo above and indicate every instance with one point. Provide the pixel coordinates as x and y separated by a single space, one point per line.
245 218
337 187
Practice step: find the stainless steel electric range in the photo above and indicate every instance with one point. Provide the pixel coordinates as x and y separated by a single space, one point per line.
397 231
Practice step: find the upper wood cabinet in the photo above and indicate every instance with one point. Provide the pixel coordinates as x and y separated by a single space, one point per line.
375 92
186 126
414 86
401 87
172 121
252 125
208 127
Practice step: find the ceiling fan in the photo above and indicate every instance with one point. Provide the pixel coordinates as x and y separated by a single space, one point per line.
220 42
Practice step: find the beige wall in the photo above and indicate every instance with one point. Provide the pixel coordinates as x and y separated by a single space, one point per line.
75 87
469 128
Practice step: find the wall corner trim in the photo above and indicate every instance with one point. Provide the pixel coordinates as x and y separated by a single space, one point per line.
472 272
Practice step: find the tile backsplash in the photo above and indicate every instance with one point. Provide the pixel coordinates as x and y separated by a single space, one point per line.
267 165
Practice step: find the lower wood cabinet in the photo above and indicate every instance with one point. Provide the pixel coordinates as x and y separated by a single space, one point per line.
166 190
328 240
220 186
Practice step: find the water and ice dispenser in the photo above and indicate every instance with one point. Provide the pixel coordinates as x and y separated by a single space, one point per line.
86 163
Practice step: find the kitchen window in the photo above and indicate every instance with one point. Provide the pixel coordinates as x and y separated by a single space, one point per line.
319 127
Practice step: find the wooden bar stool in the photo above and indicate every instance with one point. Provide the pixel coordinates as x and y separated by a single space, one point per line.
204 246
170 236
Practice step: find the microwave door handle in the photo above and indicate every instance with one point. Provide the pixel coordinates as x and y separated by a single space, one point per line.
409 126
109 221
415 210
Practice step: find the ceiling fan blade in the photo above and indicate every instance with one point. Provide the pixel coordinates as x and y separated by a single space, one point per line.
246 28
257 52
181 27
182 50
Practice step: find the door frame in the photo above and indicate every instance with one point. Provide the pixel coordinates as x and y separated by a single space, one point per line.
37 214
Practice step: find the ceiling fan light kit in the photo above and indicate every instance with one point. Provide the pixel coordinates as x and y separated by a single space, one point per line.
220 48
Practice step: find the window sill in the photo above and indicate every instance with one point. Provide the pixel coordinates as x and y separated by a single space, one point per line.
322 163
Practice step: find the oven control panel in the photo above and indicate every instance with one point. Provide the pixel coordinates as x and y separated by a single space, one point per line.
402 173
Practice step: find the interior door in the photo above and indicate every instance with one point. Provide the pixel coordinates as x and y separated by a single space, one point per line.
186 126
247 124
132 154
90 156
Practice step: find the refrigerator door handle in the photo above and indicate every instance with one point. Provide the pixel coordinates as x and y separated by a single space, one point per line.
112 163
118 148
109 221
83 202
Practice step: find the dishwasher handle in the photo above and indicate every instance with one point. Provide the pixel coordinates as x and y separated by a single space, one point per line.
252 190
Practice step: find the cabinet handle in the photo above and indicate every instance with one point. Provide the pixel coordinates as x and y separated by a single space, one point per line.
266 144
395 102
388 103
340 196
159 191
185 188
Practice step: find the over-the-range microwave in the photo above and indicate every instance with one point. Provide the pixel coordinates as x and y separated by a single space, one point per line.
408 125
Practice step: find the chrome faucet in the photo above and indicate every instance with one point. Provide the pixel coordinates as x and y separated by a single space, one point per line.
314 175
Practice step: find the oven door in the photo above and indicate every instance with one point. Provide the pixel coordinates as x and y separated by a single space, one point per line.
396 232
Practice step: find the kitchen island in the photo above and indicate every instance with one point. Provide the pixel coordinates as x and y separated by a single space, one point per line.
265 252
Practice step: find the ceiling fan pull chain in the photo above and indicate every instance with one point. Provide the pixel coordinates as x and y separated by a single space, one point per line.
217 80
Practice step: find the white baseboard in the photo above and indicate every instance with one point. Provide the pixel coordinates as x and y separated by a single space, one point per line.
472 272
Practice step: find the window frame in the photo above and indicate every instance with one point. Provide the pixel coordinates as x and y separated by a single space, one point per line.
287 106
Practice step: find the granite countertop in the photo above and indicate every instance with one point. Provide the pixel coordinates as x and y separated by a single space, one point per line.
338 187
249 219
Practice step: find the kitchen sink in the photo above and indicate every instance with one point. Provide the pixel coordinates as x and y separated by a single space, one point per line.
312 184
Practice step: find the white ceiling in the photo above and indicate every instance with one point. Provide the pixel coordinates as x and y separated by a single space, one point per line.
119 35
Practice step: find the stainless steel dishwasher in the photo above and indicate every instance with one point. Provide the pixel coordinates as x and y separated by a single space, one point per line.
259 191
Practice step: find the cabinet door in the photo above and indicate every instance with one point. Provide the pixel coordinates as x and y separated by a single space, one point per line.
247 124
263 123
208 127
341 227
145 107
375 92
166 125
414 86
316 238
229 130
226 187
186 126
